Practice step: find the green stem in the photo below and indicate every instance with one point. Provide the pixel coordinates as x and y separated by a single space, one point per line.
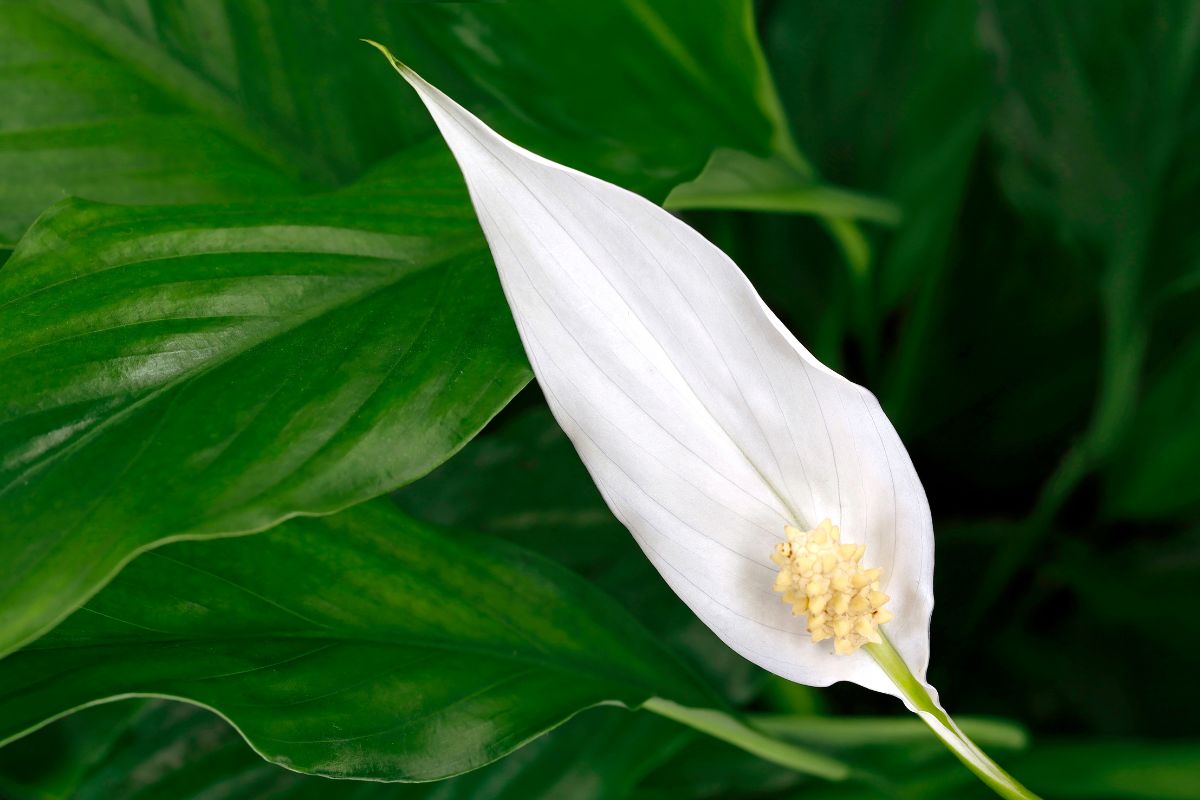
943 726
729 729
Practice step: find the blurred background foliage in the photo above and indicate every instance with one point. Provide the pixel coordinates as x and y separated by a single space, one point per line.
1031 324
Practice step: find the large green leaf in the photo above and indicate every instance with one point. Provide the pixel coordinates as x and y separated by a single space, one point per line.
156 749
636 92
172 750
190 371
362 644
77 119
175 101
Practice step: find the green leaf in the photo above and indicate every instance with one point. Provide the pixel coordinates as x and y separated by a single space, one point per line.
76 119
183 372
1113 769
174 750
1095 130
645 114
156 101
1164 570
362 644
1095 133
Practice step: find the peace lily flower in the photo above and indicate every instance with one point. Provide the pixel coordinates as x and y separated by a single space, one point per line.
772 494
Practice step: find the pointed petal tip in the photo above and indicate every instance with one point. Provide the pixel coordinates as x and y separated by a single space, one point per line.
430 95
396 63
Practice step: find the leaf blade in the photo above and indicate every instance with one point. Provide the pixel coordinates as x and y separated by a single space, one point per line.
178 372
387 650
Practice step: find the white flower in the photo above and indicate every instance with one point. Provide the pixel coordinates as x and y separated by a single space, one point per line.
707 426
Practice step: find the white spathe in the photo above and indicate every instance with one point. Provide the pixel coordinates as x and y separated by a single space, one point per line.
705 424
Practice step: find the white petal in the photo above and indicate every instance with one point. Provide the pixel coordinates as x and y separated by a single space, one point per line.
702 420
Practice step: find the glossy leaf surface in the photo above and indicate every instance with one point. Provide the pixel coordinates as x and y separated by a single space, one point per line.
196 371
372 647
171 750
171 101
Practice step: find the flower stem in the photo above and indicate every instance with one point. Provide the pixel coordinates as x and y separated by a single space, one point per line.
941 724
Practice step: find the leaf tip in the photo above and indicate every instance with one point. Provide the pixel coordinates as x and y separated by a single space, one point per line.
396 63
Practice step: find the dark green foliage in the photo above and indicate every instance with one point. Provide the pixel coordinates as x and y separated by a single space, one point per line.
361 644
241 282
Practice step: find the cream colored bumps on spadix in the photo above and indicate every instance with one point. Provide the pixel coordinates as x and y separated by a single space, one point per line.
710 430
706 426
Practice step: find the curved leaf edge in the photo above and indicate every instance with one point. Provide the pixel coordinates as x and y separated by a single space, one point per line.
285 762
326 511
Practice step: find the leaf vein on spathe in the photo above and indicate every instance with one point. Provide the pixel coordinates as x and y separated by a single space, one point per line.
616 384
755 560
781 495
682 381
667 563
